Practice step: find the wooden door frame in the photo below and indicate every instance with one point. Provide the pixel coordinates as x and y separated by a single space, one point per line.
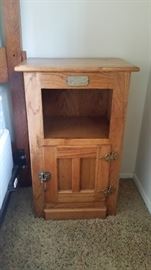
14 55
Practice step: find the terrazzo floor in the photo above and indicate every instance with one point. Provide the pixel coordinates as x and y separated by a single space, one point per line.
116 243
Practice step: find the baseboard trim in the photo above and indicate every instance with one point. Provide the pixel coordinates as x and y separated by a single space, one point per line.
142 193
126 175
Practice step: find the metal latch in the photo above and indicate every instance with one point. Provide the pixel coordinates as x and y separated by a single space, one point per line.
108 191
110 156
44 176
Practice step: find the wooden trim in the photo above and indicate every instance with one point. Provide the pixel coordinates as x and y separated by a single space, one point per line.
72 142
12 34
74 65
118 115
75 213
58 80
3 66
34 113
76 152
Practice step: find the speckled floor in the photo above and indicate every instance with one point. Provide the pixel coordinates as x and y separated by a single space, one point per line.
116 243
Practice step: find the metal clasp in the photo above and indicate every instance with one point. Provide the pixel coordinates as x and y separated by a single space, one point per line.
108 191
44 176
110 156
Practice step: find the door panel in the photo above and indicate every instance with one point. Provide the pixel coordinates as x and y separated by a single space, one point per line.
79 175
75 174
87 173
64 167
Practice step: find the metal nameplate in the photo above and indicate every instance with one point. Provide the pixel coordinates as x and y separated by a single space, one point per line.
77 80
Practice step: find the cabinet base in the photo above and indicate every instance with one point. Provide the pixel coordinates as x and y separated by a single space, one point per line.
75 213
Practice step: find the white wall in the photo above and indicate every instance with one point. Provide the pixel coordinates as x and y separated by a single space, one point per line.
94 29
143 164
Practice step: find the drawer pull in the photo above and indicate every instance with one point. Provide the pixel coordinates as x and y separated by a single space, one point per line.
75 81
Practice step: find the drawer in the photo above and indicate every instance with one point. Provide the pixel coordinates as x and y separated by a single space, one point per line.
76 80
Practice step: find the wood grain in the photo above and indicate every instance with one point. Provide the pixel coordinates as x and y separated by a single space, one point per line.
118 113
64 167
102 169
69 175
74 154
75 65
72 142
76 213
3 66
34 114
12 35
74 205
50 165
71 197
76 127
75 174
58 80
87 173
79 102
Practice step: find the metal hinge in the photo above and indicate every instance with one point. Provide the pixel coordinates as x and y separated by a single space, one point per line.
44 176
108 191
110 156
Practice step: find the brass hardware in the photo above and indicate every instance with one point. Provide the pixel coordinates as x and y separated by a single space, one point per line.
44 176
108 191
110 156
77 81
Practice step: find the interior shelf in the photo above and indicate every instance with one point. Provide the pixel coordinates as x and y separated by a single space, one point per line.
76 127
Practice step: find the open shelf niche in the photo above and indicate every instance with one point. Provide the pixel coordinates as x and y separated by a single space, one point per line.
76 113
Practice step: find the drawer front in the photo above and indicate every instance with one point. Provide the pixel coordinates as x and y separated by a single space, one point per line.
76 80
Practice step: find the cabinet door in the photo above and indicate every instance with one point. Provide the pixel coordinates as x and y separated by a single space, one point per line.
79 177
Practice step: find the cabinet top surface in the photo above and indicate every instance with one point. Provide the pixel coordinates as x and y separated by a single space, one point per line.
75 65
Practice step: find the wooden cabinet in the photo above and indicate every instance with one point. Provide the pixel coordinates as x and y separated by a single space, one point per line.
76 112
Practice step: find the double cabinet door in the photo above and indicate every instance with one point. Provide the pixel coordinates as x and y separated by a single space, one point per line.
78 179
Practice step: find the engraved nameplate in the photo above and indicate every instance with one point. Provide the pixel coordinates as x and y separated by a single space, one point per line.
77 80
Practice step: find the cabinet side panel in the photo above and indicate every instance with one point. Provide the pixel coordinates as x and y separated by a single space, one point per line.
34 117
118 114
